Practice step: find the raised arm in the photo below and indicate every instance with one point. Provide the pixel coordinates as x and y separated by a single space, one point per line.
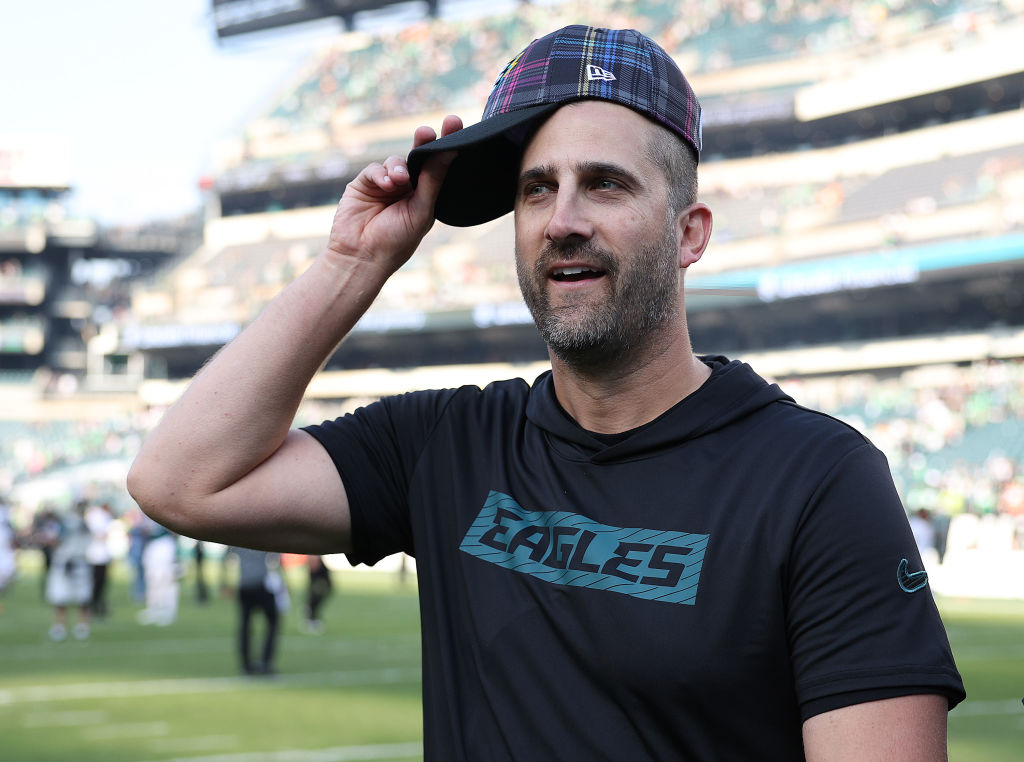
223 464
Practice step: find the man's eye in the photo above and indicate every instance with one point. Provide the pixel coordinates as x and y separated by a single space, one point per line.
536 190
606 183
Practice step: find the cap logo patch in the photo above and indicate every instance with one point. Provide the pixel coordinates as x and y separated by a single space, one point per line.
596 72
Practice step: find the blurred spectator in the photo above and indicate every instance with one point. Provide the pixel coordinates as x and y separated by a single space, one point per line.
138 536
202 589
924 534
69 581
260 588
8 547
160 566
46 530
320 588
99 519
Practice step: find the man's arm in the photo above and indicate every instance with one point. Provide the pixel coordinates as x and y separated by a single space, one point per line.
908 728
223 464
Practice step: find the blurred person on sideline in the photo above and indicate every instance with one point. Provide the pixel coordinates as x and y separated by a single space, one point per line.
202 589
46 527
319 590
8 551
69 581
260 586
99 519
138 536
924 535
160 567
647 554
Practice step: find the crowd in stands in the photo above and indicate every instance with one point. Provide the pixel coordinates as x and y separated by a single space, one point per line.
30 450
954 435
458 268
440 64
449 64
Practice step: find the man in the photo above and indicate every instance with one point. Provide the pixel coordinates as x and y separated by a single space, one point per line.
99 519
259 583
645 555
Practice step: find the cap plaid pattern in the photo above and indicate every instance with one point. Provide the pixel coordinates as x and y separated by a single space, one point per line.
619 65
575 63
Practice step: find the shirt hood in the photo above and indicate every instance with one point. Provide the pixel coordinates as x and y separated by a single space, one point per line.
733 391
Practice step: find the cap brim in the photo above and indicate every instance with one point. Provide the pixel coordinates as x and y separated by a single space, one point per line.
481 182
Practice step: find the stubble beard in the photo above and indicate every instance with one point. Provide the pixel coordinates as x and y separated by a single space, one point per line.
642 298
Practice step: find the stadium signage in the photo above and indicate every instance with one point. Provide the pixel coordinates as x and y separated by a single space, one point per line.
179 335
772 286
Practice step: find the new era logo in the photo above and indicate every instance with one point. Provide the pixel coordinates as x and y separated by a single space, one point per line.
596 72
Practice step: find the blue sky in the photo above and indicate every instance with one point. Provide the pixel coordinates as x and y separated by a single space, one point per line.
141 89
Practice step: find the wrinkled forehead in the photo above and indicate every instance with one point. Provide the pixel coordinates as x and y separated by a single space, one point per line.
594 131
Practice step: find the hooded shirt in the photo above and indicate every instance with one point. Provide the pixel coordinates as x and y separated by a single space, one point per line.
692 589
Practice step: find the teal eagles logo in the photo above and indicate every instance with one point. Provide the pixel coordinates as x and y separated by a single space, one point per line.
569 549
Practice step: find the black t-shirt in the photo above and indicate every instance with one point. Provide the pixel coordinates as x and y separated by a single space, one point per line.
693 592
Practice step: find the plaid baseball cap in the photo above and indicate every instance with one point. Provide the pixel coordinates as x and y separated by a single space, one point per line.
574 63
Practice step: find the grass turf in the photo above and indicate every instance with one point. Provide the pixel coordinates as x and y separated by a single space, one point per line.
134 693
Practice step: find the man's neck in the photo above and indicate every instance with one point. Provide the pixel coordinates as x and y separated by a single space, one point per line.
629 394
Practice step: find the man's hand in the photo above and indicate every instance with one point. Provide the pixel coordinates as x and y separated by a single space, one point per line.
381 217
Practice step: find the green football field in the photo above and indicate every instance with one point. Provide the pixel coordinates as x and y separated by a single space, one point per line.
133 692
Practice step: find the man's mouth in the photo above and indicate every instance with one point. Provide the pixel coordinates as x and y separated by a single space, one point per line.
573 274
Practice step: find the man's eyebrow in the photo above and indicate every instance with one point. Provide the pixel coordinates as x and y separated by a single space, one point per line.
603 168
591 168
536 173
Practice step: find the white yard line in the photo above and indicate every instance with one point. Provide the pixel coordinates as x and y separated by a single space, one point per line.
151 647
63 719
110 731
181 686
193 744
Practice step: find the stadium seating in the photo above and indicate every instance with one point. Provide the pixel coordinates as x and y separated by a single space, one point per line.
952 431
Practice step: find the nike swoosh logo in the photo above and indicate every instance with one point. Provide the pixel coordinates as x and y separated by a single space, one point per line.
910 582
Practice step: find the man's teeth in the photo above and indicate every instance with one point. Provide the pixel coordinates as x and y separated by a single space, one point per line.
574 270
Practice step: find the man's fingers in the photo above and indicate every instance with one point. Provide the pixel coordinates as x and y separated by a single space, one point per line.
397 171
431 176
388 177
451 124
423 135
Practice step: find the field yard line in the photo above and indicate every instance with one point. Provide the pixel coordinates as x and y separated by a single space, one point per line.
178 686
192 743
151 647
63 719
126 730
335 754
987 708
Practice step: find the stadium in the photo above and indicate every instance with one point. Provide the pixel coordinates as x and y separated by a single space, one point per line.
864 162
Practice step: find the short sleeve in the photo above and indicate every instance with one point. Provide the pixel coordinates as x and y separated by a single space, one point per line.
861 623
375 450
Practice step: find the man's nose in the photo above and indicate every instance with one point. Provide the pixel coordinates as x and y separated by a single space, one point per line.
569 218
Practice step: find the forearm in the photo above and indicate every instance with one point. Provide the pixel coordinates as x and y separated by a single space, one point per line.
238 409
223 464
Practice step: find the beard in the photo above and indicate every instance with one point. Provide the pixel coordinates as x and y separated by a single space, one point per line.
642 297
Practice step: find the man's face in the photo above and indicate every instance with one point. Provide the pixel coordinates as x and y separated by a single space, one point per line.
596 250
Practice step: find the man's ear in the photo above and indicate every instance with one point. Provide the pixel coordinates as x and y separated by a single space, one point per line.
694 232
